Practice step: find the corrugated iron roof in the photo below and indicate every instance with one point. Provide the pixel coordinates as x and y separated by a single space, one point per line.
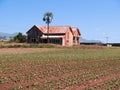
54 29
58 30
76 32
50 36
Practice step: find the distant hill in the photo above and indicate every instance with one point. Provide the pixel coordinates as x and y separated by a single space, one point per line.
82 40
6 36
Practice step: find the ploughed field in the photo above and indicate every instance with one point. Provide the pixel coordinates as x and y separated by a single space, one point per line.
72 68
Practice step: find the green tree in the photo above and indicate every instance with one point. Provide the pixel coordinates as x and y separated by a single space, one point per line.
48 16
20 38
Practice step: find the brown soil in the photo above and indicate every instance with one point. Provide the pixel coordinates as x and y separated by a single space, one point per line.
38 68
23 50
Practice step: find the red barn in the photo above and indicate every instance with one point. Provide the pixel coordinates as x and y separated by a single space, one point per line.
62 35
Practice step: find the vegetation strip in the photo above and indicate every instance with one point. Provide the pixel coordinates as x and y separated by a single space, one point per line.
58 69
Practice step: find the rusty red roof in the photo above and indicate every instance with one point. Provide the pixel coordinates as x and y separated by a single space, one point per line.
76 32
58 30
54 29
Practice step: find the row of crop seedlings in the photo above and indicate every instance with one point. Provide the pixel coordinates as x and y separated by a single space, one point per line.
68 81
113 84
86 76
80 78
62 83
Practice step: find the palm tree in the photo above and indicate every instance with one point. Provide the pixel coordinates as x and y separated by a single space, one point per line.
48 16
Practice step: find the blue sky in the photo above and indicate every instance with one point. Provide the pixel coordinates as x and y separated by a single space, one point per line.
96 19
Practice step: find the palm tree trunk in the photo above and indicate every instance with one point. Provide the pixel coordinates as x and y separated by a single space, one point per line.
48 33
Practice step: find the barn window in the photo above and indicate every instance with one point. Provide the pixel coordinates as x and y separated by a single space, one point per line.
67 41
33 40
73 37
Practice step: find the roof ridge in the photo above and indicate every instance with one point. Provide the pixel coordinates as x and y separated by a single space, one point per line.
52 26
